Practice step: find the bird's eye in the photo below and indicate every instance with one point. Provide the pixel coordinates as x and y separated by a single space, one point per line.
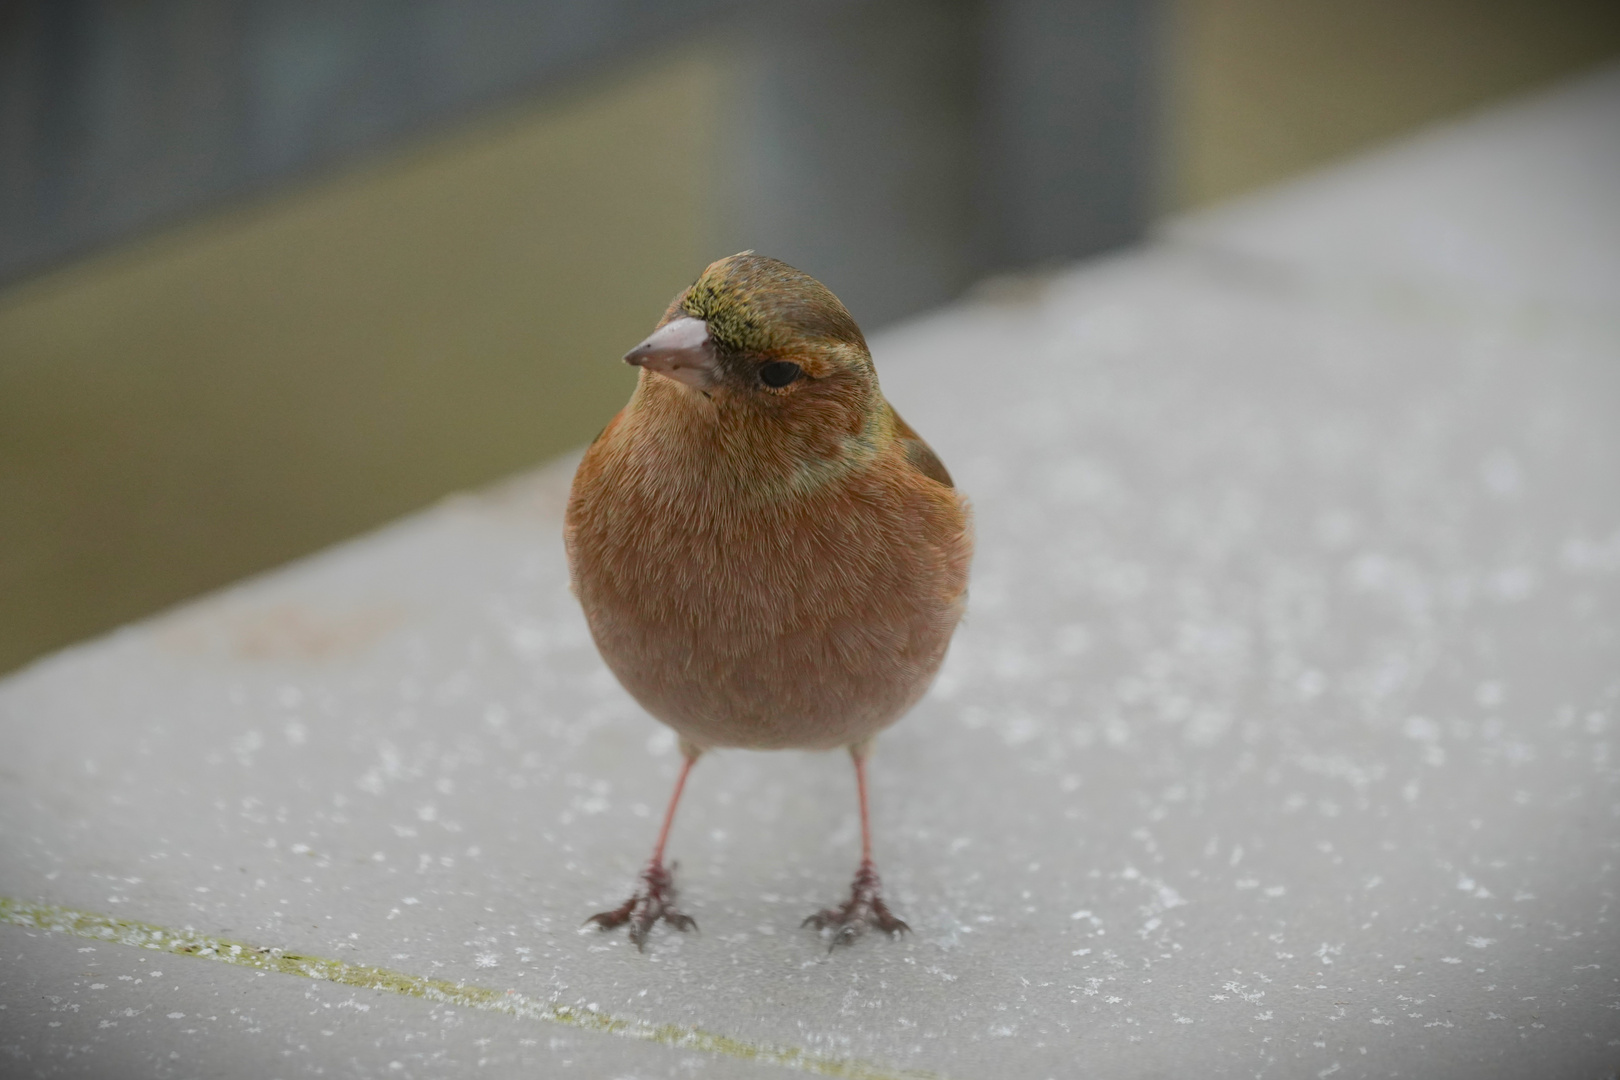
779 373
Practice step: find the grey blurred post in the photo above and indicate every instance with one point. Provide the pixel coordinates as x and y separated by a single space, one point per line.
1065 147
899 149
846 148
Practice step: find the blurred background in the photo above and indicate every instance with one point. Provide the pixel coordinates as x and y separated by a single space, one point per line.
273 272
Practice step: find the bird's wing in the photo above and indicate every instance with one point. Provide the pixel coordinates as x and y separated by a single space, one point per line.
919 453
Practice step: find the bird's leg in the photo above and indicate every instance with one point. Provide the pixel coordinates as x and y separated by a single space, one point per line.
865 906
655 899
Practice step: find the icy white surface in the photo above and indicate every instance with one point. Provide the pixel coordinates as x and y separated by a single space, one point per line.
1280 739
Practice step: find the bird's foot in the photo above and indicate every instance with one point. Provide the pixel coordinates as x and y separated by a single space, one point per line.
653 901
864 908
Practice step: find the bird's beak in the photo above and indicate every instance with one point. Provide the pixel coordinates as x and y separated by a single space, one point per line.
681 350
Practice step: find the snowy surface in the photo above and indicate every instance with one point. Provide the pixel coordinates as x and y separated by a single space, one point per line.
1280 740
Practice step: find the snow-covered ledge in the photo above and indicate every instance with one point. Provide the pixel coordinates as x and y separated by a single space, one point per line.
1280 738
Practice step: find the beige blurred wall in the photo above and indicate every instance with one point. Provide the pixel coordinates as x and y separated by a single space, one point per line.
1258 90
258 384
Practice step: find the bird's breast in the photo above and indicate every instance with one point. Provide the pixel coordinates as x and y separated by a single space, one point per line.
808 620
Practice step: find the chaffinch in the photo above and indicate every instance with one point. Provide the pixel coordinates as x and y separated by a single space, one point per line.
768 556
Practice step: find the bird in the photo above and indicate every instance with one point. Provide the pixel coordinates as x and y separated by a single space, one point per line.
768 557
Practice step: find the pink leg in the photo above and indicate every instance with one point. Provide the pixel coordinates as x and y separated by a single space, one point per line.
865 906
866 814
669 813
656 898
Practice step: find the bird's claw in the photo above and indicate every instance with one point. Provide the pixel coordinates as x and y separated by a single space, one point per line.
864 908
653 901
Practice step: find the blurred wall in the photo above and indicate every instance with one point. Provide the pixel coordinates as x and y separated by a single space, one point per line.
193 405
219 398
1258 90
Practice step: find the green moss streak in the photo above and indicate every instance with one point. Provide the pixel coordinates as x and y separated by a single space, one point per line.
89 924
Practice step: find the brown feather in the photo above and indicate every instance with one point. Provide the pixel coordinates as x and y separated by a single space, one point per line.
769 569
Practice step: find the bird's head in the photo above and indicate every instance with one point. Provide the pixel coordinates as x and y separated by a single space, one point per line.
755 332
